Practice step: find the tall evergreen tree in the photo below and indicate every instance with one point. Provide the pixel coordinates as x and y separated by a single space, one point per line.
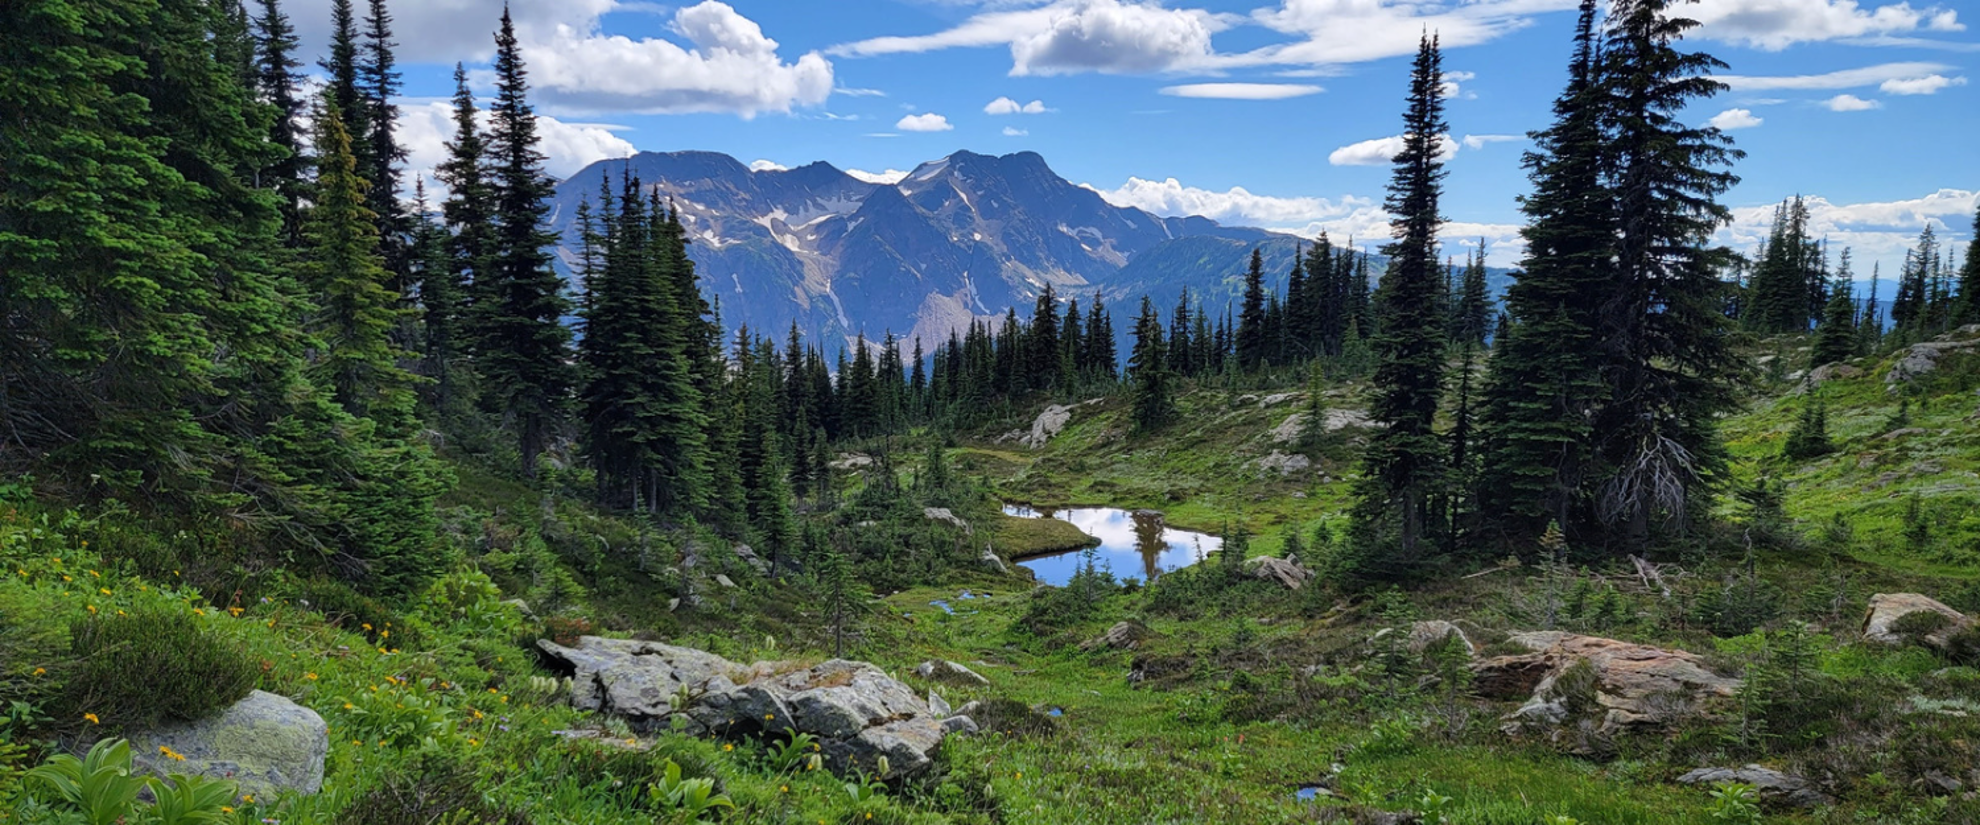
1181 351
1404 461
279 85
1251 338
1101 357
379 81
523 345
469 212
1043 343
1668 364
1148 372
1967 310
1544 387
440 302
1777 300
1836 337
1474 304
357 311
347 93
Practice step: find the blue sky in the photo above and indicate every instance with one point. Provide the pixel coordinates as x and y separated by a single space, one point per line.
1258 112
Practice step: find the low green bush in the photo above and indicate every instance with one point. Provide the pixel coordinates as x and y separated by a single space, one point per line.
150 665
348 609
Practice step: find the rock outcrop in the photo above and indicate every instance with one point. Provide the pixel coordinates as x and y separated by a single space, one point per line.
264 742
1287 572
944 515
1773 785
1284 464
949 673
1046 425
1886 609
1622 685
857 711
1122 636
1923 358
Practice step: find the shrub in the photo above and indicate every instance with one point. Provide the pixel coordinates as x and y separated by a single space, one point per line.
1918 624
152 665
1012 718
434 790
565 630
350 610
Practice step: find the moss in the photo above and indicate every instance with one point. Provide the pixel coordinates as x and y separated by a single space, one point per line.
1021 538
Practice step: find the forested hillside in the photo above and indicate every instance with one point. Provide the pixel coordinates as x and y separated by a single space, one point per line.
324 498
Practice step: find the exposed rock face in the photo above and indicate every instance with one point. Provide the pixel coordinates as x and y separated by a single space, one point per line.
1887 608
1284 464
1122 636
1923 358
1772 784
1286 572
947 672
1632 685
264 742
1048 424
942 514
1336 420
856 710
1833 372
1422 635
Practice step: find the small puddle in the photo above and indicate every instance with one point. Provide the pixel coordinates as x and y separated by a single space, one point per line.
1308 793
944 604
1132 543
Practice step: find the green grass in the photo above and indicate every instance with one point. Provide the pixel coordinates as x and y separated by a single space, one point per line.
1021 538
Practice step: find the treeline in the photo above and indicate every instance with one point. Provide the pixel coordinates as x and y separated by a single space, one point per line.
1791 288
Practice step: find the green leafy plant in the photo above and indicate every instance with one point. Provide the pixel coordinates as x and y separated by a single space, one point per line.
1435 807
796 749
687 799
1735 803
153 664
99 785
191 800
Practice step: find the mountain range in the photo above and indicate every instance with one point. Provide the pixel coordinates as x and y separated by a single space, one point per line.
963 237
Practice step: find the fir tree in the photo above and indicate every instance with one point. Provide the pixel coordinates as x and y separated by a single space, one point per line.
1836 336
1251 338
1474 304
440 302
1404 461
279 85
346 92
1777 301
1042 345
1967 310
1668 364
469 212
1810 438
379 80
358 312
1181 351
523 345
1101 359
1148 372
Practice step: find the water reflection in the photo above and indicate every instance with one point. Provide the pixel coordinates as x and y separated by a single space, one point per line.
1132 543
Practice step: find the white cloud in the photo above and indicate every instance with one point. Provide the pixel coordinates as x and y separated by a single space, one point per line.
1481 141
929 122
1007 106
1380 151
732 67
848 92
425 129
887 178
767 166
1776 24
446 31
1451 87
1242 91
1072 36
1845 79
1012 131
1851 103
1929 84
1731 119
1355 31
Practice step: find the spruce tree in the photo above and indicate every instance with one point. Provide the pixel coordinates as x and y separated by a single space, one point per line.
1404 462
1543 386
1181 351
1251 339
440 303
278 84
379 81
1967 310
523 346
347 94
1474 304
1043 340
1148 372
469 212
1668 363
1836 336
1777 301
357 312
1101 360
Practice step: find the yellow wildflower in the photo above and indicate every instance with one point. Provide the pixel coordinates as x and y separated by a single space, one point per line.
387 634
226 809
94 574
727 748
171 754
198 612
248 798
92 719
91 608
236 611
41 671
310 676
67 578
103 591
367 625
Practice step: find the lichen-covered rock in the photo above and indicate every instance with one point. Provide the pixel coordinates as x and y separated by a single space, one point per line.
1887 608
1284 464
1624 685
944 515
857 711
1122 636
1287 572
1424 634
264 742
1772 784
1047 424
947 672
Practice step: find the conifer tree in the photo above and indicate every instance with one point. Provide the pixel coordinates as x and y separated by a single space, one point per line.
1967 310
1404 462
440 302
1181 351
523 348
1148 372
1043 340
379 80
357 312
469 212
1777 301
1543 387
1101 359
1251 339
1474 305
1836 336
278 84
346 92
1668 363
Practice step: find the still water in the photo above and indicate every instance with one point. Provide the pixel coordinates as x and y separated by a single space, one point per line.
1133 543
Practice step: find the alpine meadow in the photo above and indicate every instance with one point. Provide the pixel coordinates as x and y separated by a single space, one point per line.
418 413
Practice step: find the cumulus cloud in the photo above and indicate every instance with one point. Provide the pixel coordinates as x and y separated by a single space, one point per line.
1777 24
767 166
1236 205
425 128
928 122
1380 151
1731 119
1929 84
732 67
446 31
1354 31
887 178
1481 141
1851 103
1012 131
1844 79
1072 36
1007 106
1242 91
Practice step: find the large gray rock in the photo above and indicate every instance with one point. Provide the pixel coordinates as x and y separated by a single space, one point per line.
1631 685
1286 572
1048 424
1772 784
1923 358
1887 608
947 672
1284 464
1122 636
857 711
946 516
264 742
